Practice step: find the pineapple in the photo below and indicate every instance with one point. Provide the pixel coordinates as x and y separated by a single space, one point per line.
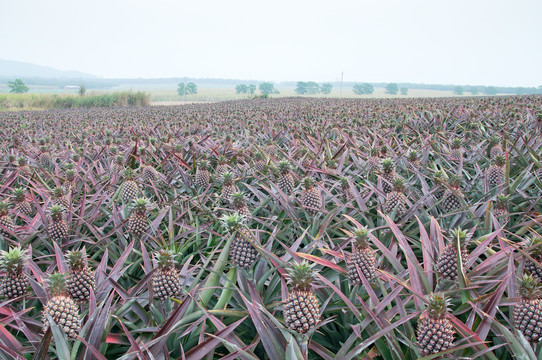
438 184
535 245
138 222
239 205
202 174
259 162
130 189
495 147
451 197
166 281
528 310
228 186
363 258
387 175
396 200
447 260
500 210
61 308
301 309
149 174
14 282
60 198
456 151
345 188
58 227
242 253
21 204
6 222
373 163
413 159
22 166
495 173
69 183
80 279
435 332
45 157
285 179
310 196
222 166
117 166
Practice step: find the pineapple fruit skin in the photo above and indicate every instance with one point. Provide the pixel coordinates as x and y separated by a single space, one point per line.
301 311
12 287
434 335
166 283
528 318
65 313
365 260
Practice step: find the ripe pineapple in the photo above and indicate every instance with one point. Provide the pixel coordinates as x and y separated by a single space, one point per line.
456 151
413 159
242 253
22 166
495 173
69 183
500 210
228 186
21 204
495 147
447 260
202 174
80 279
285 179
58 227
363 258
438 184
239 205
166 281
60 198
387 175
6 222
149 174
302 309
45 157
61 308
14 282
373 163
396 200
259 162
310 196
222 166
435 332
528 310
451 197
138 222
130 189
535 251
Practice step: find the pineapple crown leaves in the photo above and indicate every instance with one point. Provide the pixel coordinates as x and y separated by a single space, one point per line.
387 165
494 140
535 245
308 183
4 208
56 212
502 199
227 178
361 238
374 151
238 199
398 184
70 174
21 161
438 305
500 160
128 174
232 222
529 287
140 204
19 194
460 234
203 164
119 159
77 259
165 259
58 192
13 261
301 275
344 182
284 166
412 155
455 181
456 143
56 284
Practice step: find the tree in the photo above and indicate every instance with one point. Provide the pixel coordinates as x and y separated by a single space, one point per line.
301 88
241 89
404 91
187 89
82 90
490 90
363 89
307 87
392 89
252 89
326 88
267 88
458 90
17 86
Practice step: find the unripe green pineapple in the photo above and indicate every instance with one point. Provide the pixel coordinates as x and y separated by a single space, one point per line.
495 173
80 279
301 309
534 246
58 227
14 283
21 204
396 200
228 186
363 258
528 311
130 189
242 252
166 281
387 174
61 308
285 179
435 332
138 222
239 205
6 222
202 174
310 196
447 260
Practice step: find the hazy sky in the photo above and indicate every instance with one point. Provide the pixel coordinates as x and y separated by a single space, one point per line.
432 41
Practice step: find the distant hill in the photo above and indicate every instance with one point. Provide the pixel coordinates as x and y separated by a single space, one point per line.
11 68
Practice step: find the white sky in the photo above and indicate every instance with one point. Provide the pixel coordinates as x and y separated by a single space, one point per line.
423 41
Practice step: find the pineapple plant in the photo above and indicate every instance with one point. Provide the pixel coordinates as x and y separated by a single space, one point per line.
413 159
310 196
534 246
14 282
166 281
129 188
117 165
6 222
456 152
60 198
80 278
149 174
239 205
387 175
202 174
451 198
45 157
396 200
447 260
69 183
259 162
301 309
363 258
435 332
58 227
22 166
138 222
285 180
242 252
495 173
439 187
495 148
528 310
21 204
222 166
61 308
500 209
228 186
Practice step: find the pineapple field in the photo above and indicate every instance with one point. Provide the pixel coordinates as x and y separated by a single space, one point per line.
291 228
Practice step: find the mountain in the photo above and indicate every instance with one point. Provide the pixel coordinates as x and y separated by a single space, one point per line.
11 68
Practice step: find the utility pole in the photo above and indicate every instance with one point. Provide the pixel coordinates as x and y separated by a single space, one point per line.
341 91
